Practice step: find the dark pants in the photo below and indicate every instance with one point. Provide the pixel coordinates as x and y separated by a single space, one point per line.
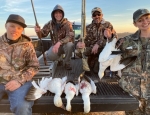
93 59
64 49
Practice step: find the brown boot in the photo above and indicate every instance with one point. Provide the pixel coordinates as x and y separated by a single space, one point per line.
68 67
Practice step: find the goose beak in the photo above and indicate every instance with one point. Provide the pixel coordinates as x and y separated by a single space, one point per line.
63 107
81 75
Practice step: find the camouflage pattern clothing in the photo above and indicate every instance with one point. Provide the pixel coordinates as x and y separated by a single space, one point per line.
62 32
95 35
136 77
18 60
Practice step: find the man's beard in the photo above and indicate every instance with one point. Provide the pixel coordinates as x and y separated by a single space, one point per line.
97 21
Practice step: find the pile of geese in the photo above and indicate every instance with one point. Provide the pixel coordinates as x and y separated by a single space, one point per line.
58 86
110 56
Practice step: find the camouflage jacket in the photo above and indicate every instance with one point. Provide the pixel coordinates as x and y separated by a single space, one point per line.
62 33
136 77
95 33
18 61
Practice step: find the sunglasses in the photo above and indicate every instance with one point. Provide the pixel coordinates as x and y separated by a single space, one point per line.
94 15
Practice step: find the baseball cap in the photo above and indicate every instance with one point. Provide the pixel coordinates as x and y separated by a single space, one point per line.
138 13
96 9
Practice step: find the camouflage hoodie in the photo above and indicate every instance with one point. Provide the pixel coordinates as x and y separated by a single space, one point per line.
62 32
18 61
95 33
136 77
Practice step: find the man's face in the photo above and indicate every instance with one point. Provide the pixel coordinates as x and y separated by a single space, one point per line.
97 17
58 15
143 23
13 30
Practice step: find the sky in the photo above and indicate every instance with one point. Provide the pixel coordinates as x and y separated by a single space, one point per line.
118 12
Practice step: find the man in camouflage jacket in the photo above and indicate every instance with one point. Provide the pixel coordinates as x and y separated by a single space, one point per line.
18 64
61 33
135 78
96 38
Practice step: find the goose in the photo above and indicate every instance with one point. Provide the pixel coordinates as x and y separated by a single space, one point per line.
56 86
38 89
86 86
106 58
70 91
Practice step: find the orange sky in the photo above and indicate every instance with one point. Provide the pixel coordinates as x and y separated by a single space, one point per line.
118 28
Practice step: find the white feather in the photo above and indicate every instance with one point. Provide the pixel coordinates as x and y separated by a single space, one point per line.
64 79
106 59
102 67
70 91
35 85
115 65
94 90
56 86
87 103
39 91
86 89
77 89
107 50
119 73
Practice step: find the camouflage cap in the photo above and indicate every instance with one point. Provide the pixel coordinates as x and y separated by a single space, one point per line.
138 13
96 9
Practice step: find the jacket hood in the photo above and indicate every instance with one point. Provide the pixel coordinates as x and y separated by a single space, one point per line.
59 25
57 7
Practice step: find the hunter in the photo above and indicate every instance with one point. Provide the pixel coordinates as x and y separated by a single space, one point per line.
18 65
61 33
97 34
135 78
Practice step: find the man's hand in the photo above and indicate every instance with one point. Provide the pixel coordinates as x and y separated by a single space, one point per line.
12 85
80 45
108 33
95 49
37 29
56 47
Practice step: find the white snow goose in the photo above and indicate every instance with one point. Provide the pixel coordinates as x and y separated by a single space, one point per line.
56 86
111 56
70 91
106 58
86 86
37 90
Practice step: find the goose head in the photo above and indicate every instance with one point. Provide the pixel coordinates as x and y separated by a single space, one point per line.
58 102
